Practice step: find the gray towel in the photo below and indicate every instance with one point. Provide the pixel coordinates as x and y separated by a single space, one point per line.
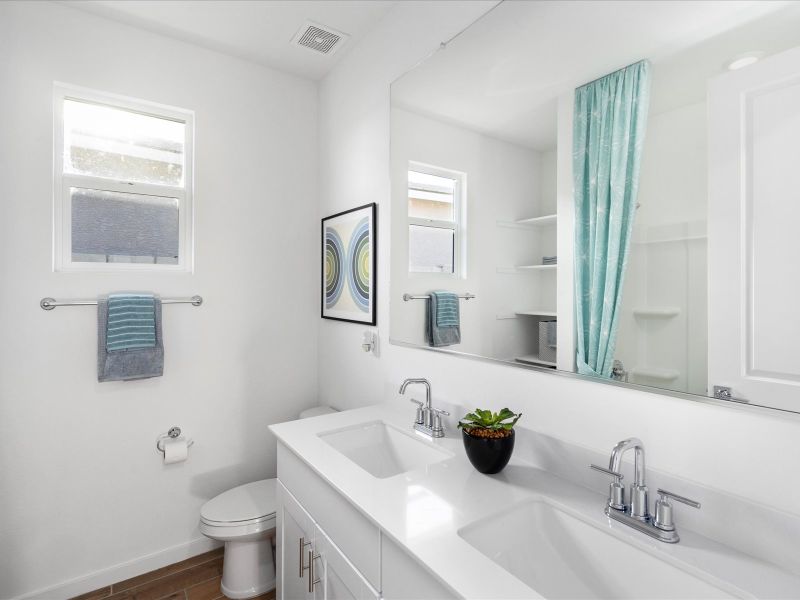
438 335
136 363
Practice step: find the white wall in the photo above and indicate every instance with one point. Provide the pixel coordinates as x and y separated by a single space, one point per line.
749 453
81 486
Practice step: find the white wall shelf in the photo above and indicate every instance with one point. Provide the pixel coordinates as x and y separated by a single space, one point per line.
655 373
538 312
530 223
533 359
525 268
690 238
656 312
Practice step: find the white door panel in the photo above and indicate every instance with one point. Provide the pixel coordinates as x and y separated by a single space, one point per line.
295 539
754 231
340 580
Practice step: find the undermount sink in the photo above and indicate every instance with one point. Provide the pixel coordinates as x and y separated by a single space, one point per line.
382 450
561 556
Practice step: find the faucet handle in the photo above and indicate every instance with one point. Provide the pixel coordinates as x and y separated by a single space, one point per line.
618 476
418 419
663 519
664 494
616 491
437 421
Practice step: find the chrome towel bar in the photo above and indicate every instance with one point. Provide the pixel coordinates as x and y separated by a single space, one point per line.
50 303
407 297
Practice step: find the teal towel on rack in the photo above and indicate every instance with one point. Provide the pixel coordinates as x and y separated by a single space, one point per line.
446 309
442 320
131 322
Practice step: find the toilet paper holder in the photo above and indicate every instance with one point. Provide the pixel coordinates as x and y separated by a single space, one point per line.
174 432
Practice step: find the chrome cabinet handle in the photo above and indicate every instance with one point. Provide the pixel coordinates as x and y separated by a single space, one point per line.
678 498
303 544
311 581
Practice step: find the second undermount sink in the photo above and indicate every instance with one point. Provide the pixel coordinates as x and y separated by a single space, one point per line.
561 556
382 450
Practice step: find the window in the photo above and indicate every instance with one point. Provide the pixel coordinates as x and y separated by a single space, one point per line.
123 183
435 220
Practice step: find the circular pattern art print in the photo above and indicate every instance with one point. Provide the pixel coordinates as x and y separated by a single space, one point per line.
348 265
334 259
358 265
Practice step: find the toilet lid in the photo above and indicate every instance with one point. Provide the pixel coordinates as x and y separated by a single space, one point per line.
247 502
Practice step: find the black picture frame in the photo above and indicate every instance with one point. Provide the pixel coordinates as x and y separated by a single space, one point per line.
342 295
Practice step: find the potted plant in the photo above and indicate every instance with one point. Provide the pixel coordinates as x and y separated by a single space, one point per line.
489 438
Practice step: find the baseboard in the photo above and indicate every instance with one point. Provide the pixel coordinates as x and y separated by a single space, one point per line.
122 571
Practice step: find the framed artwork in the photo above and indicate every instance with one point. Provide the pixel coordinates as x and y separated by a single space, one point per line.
349 265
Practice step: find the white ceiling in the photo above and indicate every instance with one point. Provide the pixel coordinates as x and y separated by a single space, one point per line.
257 30
504 74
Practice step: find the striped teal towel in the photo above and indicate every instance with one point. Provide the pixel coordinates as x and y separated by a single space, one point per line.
447 309
131 322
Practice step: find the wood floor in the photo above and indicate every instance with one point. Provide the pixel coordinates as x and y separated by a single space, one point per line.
195 578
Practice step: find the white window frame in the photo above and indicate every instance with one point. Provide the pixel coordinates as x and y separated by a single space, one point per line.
62 182
458 225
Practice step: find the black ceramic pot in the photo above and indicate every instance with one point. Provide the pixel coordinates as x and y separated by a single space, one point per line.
488 455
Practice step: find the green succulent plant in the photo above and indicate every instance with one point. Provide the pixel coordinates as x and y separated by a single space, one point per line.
486 419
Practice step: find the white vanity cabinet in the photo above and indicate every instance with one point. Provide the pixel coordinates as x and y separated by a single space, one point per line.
310 565
317 523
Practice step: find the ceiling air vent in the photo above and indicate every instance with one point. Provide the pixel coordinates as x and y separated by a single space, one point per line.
320 38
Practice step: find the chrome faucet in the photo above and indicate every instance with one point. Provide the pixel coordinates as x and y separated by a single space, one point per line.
638 489
428 419
636 514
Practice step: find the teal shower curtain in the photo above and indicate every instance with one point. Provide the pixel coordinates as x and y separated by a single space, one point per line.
609 125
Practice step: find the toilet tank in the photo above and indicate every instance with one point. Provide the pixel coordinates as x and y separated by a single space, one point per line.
317 411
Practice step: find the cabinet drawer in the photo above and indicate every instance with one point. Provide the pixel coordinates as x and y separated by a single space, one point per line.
355 535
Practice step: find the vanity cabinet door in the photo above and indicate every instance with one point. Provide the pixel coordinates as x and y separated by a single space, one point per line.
338 578
295 540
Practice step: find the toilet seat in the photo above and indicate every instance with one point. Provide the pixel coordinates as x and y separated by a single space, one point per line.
249 532
241 514
243 506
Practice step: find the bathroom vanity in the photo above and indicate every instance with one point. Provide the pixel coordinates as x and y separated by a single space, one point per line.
370 509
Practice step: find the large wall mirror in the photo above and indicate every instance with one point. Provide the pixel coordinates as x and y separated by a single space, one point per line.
607 189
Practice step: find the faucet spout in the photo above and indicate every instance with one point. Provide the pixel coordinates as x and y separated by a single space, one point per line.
638 489
420 381
615 462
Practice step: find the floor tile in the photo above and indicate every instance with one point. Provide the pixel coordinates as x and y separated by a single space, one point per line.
208 590
168 570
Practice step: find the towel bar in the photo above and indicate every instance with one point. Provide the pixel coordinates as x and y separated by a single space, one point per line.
50 303
407 297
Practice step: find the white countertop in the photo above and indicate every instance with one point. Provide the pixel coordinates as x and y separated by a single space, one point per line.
423 510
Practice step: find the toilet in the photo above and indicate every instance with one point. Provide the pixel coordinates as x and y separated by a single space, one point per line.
244 518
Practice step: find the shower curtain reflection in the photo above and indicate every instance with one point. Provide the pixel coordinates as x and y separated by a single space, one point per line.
610 117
